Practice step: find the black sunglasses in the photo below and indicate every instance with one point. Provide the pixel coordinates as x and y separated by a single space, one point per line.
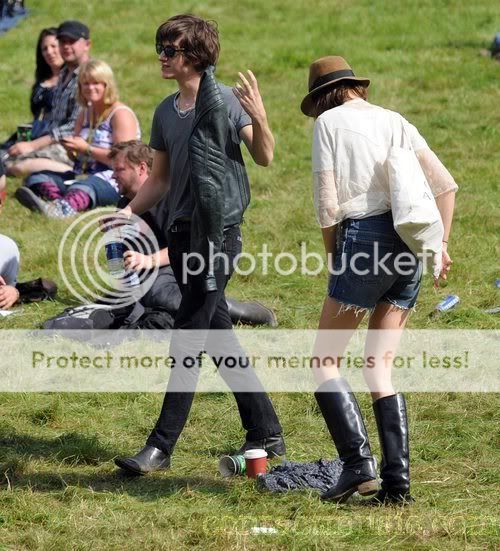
168 51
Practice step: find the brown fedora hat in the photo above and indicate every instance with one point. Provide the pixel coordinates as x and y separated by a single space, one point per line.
323 73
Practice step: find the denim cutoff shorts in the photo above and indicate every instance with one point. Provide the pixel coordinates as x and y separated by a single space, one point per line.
372 265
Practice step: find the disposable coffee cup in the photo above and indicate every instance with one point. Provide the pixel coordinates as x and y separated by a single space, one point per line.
232 465
256 462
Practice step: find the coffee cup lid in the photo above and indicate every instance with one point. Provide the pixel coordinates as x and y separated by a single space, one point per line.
255 454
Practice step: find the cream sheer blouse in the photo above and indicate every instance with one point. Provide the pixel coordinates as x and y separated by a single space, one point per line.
350 148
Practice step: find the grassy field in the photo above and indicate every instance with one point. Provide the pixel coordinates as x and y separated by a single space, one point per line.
59 485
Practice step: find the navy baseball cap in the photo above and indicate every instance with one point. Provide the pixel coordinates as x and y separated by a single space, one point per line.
74 30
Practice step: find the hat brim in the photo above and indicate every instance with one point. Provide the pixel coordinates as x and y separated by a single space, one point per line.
68 35
307 104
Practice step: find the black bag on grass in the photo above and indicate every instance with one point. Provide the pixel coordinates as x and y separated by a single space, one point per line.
36 290
102 316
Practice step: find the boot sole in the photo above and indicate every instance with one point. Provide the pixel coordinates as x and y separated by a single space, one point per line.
368 488
388 501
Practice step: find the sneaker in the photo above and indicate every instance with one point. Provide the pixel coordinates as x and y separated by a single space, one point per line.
30 200
59 208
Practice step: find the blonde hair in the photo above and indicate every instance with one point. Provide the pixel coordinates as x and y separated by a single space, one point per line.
98 71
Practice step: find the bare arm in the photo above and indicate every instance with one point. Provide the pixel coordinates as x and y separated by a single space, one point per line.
124 125
446 205
23 148
154 188
258 137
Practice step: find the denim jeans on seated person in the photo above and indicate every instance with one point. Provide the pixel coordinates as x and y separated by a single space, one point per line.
101 192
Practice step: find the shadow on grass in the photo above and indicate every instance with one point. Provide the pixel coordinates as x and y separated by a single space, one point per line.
80 451
72 483
71 447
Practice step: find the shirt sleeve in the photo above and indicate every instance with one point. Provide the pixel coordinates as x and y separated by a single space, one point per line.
436 174
67 128
326 202
156 140
417 140
325 195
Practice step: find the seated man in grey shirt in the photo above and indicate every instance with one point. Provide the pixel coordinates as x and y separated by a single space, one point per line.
187 47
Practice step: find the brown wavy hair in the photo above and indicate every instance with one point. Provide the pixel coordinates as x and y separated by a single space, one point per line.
200 38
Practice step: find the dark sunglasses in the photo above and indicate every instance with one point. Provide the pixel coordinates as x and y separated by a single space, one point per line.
168 51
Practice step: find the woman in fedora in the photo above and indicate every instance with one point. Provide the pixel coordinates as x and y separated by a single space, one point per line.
351 143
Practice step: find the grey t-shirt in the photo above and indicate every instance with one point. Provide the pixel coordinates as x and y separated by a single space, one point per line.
170 132
9 260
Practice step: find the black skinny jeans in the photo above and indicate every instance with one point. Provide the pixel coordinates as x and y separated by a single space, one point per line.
199 311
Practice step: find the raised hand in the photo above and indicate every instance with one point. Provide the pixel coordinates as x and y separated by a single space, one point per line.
248 94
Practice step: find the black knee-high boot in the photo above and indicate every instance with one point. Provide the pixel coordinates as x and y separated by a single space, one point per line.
345 423
392 424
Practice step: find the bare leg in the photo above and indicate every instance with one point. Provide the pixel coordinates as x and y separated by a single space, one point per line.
28 166
3 183
329 346
385 328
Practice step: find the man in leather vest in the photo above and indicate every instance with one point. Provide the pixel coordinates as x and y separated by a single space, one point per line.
196 135
132 162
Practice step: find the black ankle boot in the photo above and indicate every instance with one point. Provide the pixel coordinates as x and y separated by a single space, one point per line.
345 423
253 313
392 424
149 459
274 446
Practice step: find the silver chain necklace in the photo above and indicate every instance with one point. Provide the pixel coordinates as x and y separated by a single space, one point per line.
182 114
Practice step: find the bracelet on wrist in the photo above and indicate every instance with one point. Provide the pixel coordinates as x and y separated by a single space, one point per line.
89 150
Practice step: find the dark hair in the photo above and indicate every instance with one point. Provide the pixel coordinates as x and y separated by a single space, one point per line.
136 152
200 38
43 70
333 97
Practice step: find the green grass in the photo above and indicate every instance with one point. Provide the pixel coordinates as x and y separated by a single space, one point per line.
59 486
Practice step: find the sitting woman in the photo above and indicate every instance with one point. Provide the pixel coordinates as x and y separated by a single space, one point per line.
103 122
48 67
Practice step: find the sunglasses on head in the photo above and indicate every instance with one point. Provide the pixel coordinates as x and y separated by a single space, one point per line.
168 51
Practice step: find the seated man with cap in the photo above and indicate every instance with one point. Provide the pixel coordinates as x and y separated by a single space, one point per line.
46 153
